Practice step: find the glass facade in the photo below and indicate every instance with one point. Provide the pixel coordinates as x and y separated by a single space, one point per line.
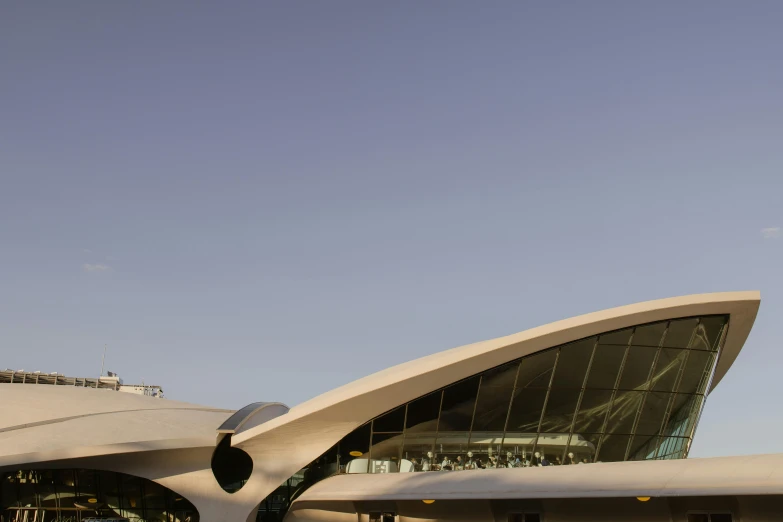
631 394
68 495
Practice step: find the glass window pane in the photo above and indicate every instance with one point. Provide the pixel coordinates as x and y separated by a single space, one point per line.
385 453
637 367
613 448
681 416
718 517
110 492
696 372
592 411
65 484
620 337
419 449
526 410
653 411
459 401
451 450
623 412
47 496
559 414
582 448
154 495
423 413
494 398
536 370
355 444
86 486
390 422
606 366
572 364
680 332
698 517
667 368
501 377
643 447
649 334
708 333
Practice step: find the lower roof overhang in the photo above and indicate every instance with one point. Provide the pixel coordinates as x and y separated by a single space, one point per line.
746 475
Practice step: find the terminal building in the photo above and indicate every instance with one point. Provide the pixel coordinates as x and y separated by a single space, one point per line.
585 419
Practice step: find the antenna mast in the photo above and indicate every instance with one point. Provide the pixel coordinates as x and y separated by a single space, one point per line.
102 359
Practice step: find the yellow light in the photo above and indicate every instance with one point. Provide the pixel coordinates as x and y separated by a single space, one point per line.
428 501
92 500
642 499
355 454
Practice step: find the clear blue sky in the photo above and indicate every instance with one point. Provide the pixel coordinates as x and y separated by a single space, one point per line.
263 201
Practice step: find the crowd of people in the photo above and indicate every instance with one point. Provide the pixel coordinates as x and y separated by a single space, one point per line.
430 462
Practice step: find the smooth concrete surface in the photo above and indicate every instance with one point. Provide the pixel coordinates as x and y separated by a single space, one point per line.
286 444
758 474
172 442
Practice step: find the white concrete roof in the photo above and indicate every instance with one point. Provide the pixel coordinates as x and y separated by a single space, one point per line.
44 422
753 475
370 396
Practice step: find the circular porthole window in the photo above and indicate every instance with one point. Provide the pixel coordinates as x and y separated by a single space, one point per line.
231 466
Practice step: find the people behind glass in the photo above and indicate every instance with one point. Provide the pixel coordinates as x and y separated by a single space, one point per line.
451 462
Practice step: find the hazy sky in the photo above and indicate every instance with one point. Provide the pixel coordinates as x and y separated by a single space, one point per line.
262 201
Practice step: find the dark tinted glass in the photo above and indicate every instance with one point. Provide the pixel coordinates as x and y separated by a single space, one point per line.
613 448
572 364
666 369
695 374
649 334
653 412
683 407
559 414
643 447
606 366
637 367
680 332
459 402
698 517
708 333
423 413
358 441
494 398
623 412
719 517
386 446
620 337
392 421
536 370
526 409
592 411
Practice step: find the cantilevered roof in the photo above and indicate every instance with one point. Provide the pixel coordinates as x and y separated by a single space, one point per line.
39 423
337 412
747 475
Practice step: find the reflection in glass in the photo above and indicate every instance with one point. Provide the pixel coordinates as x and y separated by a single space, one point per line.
627 394
572 364
606 366
459 403
667 367
67 494
636 371
613 448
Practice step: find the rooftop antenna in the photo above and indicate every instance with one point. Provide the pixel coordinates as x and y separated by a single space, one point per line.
102 360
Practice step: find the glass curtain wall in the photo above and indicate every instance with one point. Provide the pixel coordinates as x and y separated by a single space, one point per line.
68 495
632 394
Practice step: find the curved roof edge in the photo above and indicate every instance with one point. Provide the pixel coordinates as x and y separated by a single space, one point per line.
80 452
254 414
754 475
370 396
